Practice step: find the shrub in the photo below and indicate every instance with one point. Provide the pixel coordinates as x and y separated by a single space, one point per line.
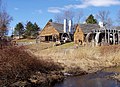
18 64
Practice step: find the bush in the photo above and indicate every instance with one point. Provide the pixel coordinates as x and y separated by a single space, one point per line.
18 64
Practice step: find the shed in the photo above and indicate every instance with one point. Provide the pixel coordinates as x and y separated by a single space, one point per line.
82 30
51 32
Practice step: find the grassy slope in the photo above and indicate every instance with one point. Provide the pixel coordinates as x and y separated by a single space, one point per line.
89 59
26 40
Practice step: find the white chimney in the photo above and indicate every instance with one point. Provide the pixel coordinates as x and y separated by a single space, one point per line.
65 25
101 24
70 26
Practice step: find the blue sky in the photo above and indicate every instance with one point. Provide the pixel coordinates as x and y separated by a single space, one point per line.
40 11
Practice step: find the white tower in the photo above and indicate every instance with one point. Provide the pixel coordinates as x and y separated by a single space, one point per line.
65 25
70 26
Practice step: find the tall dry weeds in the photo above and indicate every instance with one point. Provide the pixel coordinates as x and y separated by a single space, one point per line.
86 58
18 64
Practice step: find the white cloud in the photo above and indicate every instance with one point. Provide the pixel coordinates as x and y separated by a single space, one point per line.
85 4
38 11
16 8
55 9
98 3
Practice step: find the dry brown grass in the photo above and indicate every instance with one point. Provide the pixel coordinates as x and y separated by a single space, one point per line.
89 59
39 46
18 64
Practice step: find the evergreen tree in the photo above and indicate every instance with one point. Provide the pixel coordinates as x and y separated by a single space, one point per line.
91 20
31 30
19 29
50 20
36 30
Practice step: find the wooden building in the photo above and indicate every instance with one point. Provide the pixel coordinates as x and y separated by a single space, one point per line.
51 32
82 30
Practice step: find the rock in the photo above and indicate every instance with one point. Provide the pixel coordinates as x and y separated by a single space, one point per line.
117 77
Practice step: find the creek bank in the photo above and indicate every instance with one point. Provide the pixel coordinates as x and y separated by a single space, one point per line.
39 79
49 79
83 60
116 71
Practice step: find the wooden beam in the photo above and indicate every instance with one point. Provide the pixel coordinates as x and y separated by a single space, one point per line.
118 36
113 36
108 36
105 37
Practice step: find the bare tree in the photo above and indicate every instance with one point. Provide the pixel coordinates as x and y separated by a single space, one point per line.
103 16
68 14
109 23
58 18
78 16
5 19
118 18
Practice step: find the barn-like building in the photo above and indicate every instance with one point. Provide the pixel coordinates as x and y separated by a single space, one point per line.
82 30
51 32
57 32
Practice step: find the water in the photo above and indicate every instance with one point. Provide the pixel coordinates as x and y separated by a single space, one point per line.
91 80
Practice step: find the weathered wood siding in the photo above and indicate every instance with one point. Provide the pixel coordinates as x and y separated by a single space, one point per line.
78 35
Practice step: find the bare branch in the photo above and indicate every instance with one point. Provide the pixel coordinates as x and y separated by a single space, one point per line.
69 15
78 16
103 15
5 19
118 18
58 18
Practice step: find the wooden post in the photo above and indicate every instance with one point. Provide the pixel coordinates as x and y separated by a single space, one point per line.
52 37
105 37
118 36
113 36
108 36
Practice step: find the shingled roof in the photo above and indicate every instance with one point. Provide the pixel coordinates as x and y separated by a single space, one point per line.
58 27
52 28
86 28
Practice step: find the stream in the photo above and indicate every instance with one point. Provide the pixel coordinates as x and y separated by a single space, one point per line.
99 79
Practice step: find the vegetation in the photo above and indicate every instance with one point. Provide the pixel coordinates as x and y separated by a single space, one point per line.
118 18
103 16
5 20
19 30
91 20
88 59
16 64
69 15
30 31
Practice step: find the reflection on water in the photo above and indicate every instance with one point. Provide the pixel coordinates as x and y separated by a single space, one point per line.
91 80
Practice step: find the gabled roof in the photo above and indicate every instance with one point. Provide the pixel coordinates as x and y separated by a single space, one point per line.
57 26
86 28
51 28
